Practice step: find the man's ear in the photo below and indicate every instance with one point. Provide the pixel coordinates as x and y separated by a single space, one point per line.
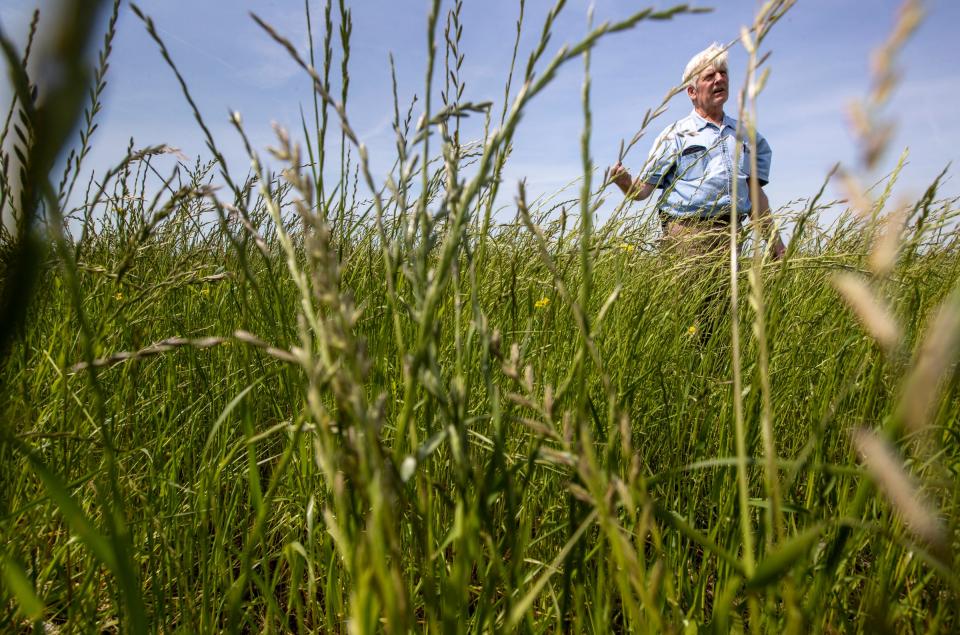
691 91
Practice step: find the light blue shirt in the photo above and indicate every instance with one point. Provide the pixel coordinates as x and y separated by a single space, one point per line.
693 162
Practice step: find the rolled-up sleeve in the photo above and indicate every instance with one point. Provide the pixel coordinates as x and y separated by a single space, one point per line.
764 155
662 158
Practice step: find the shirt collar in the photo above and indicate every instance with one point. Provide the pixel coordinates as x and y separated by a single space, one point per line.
700 122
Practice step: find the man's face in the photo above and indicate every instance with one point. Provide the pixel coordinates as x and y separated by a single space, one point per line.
710 90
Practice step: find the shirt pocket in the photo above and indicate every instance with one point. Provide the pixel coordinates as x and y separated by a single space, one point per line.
692 163
744 159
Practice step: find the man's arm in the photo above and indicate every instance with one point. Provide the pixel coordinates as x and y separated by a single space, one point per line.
764 155
636 189
766 224
658 165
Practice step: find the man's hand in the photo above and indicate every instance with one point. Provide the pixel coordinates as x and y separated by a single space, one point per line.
620 177
777 248
635 190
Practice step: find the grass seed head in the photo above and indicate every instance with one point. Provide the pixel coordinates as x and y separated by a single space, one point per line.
891 477
884 254
937 352
873 313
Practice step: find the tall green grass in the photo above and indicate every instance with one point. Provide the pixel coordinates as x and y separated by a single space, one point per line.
299 404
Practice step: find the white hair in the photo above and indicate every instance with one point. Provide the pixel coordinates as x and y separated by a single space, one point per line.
714 56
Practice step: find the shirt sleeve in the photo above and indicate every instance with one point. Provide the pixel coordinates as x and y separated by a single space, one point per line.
662 159
764 154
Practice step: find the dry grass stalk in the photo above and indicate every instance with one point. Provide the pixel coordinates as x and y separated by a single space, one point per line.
873 132
909 17
154 349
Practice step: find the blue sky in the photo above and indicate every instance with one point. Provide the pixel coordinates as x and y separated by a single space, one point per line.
820 61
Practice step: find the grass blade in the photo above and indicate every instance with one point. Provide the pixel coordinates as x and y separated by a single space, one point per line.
31 606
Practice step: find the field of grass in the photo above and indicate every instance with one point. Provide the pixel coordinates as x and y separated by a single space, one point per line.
291 405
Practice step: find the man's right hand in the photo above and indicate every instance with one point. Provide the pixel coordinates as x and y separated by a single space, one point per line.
619 176
634 191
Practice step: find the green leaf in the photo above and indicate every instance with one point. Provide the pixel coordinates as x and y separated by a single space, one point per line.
226 413
17 581
777 564
72 513
681 525
523 605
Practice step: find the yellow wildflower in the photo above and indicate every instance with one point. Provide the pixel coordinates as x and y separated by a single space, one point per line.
118 297
627 248
542 302
692 329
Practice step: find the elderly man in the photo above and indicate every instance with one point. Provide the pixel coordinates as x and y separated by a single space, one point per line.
693 162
